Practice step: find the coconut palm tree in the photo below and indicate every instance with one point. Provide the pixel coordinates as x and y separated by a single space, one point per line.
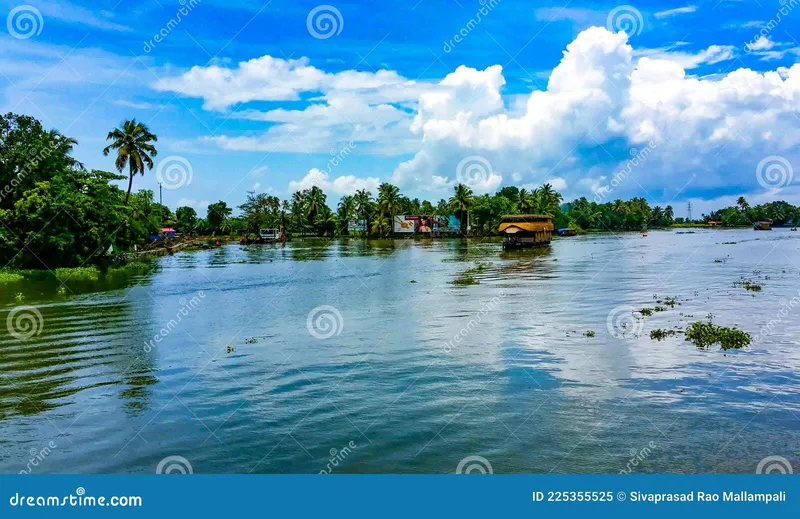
134 145
284 210
742 203
315 200
381 224
461 203
364 205
388 199
347 208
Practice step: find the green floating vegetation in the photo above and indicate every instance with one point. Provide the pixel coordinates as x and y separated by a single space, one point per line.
10 277
729 243
465 280
589 333
704 334
660 309
671 302
659 334
78 273
647 312
748 285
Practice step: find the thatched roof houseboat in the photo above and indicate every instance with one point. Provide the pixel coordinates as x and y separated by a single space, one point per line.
526 230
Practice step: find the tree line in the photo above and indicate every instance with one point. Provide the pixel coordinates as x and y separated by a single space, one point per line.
54 212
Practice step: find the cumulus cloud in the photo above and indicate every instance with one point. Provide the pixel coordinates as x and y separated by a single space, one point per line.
604 102
677 11
343 185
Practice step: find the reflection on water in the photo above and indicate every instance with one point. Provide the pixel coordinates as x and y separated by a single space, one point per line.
416 372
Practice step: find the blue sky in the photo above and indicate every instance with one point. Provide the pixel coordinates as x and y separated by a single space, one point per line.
383 93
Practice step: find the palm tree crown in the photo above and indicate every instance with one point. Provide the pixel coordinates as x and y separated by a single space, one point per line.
134 145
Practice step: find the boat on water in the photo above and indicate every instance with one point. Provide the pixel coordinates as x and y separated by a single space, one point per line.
526 230
567 232
763 225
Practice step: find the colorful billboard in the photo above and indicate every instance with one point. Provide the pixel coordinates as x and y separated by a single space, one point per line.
404 223
424 224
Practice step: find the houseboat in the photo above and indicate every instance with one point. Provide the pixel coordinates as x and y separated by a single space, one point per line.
567 232
763 225
526 230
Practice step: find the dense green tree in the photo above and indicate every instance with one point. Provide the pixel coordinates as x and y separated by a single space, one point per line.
218 214
186 219
461 203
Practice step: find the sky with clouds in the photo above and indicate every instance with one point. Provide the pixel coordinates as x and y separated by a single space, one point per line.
667 101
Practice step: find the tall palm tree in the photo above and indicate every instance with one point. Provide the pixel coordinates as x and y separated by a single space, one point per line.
134 145
315 200
742 203
388 199
381 225
364 205
461 203
284 210
347 208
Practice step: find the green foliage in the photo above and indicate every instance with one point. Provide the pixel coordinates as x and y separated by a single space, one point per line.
186 219
704 334
659 334
133 143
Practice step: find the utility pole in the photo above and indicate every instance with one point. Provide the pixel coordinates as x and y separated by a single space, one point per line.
160 196
689 211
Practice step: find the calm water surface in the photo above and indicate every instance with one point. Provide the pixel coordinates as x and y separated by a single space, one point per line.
524 387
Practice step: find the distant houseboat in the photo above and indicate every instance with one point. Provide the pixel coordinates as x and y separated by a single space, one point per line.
567 232
526 230
269 235
763 225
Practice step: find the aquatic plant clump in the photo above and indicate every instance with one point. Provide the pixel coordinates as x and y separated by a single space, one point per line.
647 312
704 334
659 334
10 277
748 285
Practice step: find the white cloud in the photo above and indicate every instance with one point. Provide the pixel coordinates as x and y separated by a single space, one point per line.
200 206
256 186
762 43
344 185
673 12
687 60
71 13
